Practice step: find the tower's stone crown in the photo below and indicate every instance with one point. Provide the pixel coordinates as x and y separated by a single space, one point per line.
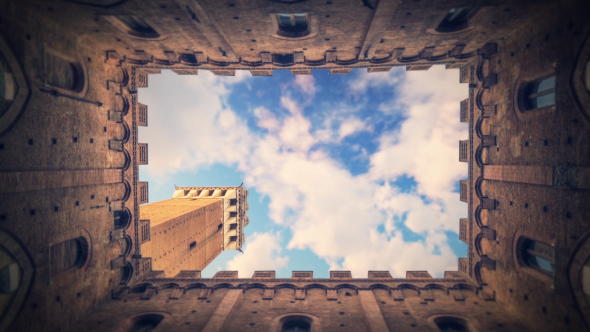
235 209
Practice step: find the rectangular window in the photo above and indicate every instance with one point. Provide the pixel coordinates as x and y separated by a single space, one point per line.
193 245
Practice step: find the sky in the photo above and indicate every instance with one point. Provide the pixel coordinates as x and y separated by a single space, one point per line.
356 172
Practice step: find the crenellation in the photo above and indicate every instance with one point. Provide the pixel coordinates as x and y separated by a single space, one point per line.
529 170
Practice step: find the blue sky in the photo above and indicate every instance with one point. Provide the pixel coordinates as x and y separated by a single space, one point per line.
351 172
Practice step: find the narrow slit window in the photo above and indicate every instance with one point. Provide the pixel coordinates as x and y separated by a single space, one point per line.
193 245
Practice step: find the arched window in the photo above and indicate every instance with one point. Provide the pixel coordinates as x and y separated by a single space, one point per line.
539 93
296 324
68 254
135 26
451 324
146 323
536 255
293 25
457 19
63 73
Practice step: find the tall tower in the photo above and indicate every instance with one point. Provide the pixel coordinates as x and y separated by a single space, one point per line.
189 230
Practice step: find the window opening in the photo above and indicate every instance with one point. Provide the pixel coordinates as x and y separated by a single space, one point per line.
68 254
296 324
62 73
540 93
233 226
189 59
136 26
457 19
193 245
233 238
538 255
146 323
233 201
293 24
451 324
233 214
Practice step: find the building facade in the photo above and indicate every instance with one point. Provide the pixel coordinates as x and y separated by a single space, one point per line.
74 249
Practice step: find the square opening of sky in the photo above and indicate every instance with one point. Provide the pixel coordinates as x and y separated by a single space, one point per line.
351 172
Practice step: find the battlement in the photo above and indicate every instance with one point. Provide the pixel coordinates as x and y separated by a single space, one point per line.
235 209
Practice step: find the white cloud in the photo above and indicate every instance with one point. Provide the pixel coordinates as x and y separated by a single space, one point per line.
327 209
262 251
306 84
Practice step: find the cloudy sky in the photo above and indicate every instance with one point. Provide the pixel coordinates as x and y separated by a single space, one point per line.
351 172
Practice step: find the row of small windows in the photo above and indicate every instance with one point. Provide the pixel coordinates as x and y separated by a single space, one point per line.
290 25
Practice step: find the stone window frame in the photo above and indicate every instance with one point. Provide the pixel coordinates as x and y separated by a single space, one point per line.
578 261
313 26
522 268
279 321
76 61
581 92
129 32
23 258
14 112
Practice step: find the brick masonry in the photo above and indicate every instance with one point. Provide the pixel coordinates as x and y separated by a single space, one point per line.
69 161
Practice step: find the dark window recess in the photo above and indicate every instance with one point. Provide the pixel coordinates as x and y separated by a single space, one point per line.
233 214
293 25
146 323
283 59
233 238
457 19
223 192
451 324
186 192
188 59
62 73
122 219
537 255
219 227
540 93
68 254
233 201
137 27
296 324
233 226
193 245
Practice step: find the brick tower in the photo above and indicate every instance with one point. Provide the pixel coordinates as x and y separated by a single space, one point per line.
189 230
